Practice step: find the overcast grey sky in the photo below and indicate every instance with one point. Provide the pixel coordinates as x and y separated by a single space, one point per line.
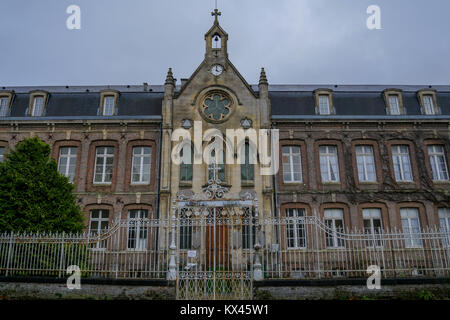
297 41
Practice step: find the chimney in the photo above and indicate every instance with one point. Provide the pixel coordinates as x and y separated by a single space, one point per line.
145 86
183 82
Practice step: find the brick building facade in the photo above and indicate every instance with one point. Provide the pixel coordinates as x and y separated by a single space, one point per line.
343 149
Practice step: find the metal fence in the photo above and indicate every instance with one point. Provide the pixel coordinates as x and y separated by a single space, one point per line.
307 247
284 248
135 248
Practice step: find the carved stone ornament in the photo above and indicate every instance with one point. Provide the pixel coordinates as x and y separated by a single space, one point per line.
216 106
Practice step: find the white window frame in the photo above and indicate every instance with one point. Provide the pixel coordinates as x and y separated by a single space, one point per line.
428 104
394 105
105 155
108 105
288 169
330 218
326 159
296 222
71 162
372 214
103 216
364 158
412 239
4 104
400 159
40 106
438 162
444 221
324 104
141 166
138 225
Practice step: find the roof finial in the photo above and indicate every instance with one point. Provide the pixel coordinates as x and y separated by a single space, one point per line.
216 13
169 79
263 77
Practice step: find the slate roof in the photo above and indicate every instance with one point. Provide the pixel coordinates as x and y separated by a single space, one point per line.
84 102
356 100
139 101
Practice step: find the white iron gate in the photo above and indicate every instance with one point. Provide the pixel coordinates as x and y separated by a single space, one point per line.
213 238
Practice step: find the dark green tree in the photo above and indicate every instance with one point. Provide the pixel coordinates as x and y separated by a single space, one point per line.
34 196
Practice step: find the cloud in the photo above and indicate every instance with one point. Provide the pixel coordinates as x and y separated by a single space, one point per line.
298 41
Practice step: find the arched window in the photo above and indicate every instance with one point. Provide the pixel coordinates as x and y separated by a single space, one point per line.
247 167
187 159
216 41
217 166
137 229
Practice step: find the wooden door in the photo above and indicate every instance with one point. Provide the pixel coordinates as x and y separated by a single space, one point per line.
217 247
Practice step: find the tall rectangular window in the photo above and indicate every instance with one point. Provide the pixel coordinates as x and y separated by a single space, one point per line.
186 229
444 220
4 107
98 224
248 228
137 232
292 164
411 227
104 164
428 104
329 165
295 228
247 168
186 166
108 106
372 226
394 105
334 221
402 163
141 162
2 154
216 168
68 162
438 162
324 104
366 164
38 107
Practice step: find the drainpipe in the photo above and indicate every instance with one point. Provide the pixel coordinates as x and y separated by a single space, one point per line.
275 186
158 180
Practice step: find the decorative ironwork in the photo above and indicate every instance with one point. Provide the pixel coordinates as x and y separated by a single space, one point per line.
243 242
215 242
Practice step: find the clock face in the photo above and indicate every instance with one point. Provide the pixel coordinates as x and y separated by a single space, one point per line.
217 69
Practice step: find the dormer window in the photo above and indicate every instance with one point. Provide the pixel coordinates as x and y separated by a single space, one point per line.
108 105
324 105
394 105
428 102
5 102
37 103
38 106
394 102
4 106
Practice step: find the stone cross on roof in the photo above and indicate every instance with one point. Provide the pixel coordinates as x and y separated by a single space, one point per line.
216 13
